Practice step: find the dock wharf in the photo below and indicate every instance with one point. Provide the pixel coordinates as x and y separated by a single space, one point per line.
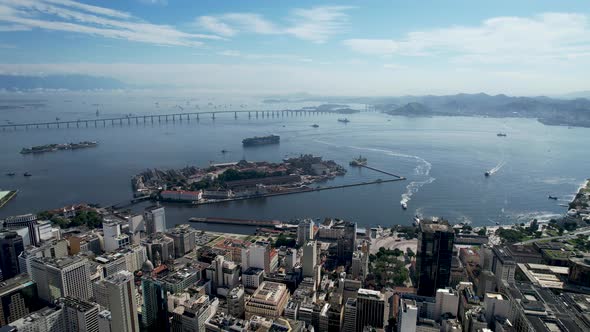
232 221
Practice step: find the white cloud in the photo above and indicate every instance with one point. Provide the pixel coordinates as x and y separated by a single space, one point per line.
315 24
70 16
544 37
254 56
214 25
155 2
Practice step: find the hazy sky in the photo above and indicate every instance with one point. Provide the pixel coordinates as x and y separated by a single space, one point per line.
340 48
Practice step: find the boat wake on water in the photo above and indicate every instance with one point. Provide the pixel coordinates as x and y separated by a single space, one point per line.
496 169
422 170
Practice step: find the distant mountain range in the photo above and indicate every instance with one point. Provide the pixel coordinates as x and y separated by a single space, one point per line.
55 82
551 111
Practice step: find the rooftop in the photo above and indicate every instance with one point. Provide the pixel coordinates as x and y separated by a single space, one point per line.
435 225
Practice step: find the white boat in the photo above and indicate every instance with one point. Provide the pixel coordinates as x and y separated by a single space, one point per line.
404 205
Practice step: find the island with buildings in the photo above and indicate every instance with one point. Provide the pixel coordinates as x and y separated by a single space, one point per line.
58 147
235 180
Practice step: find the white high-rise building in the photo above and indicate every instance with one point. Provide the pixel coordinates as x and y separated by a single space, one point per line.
496 305
407 317
112 236
155 219
136 227
117 293
67 276
224 274
447 301
305 231
310 259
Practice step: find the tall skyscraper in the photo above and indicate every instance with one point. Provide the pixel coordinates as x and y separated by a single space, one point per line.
18 298
80 315
310 257
407 316
26 220
370 309
304 231
113 238
434 257
67 276
155 219
349 323
346 243
117 293
11 246
154 314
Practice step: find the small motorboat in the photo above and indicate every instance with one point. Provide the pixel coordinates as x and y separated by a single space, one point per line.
224 151
27 174
487 173
10 174
315 125
552 197
404 205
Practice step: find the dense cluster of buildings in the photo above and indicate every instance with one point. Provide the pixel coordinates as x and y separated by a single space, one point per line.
136 274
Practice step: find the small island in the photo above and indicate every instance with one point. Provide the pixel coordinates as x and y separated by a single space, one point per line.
235 180
58 147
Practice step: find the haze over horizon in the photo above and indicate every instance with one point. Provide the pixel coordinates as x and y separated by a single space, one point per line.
377 48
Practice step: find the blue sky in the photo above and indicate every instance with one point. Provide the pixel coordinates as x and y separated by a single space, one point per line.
340 48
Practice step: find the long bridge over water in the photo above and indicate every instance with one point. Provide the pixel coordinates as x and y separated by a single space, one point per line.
155 119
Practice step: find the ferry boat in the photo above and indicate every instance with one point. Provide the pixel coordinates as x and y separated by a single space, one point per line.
345 120
253 141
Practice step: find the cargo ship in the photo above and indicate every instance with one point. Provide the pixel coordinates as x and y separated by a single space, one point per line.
264 140
57 147
360 161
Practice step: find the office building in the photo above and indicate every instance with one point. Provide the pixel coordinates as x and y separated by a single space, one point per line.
503 265
80 315
360 265
350 318
54 249
155 219
260 255
305 231
407 316
192 314
235 302
48 319
28 221
269 300
223 274
11 246
579 271
66 276
434 256
496 305
370 309
117 293
447 302
184 237
159 248
310 259
18 298
112 236
252 278
346 242
105 323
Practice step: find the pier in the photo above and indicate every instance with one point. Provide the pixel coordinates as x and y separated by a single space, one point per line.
5 197
232 221
155 119
382 171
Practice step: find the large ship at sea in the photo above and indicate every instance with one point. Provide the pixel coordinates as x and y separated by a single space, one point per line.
57 147
360 161
264 140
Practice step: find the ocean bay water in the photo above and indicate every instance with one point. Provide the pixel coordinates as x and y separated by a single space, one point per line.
444 159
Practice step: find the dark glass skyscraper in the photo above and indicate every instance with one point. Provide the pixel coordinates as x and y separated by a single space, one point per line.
11 245
435 252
